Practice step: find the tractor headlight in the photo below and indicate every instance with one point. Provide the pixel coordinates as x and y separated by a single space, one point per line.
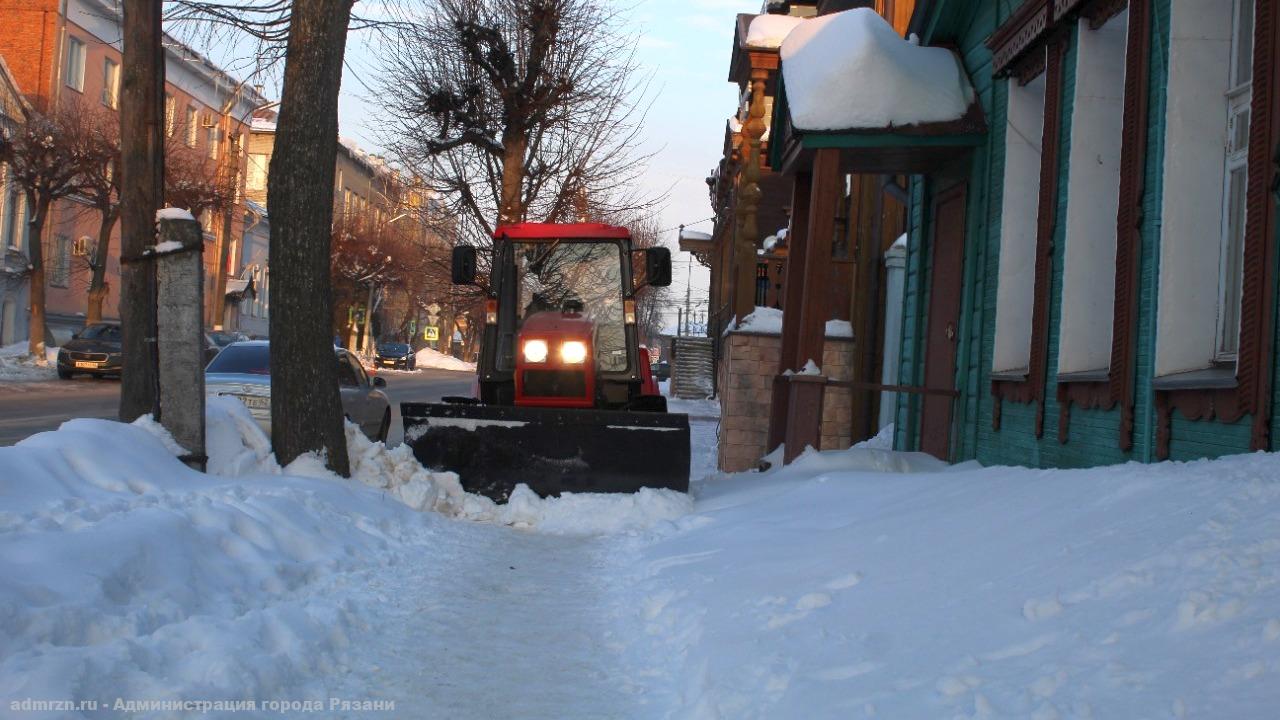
573 352
535 351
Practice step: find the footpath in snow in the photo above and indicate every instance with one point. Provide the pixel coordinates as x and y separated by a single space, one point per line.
863 583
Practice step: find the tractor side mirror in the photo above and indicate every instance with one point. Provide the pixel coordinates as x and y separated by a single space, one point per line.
657 266
464 265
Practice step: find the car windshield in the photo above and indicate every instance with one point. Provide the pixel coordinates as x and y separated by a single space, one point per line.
243 360
559 275
110 333
393 349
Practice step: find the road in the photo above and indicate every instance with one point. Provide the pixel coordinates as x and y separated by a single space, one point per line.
29 408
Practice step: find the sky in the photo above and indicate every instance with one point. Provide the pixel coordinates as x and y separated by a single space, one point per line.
682 46
685 46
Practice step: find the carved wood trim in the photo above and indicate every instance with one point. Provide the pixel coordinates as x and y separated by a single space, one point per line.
1031 389
1252 394
1023 29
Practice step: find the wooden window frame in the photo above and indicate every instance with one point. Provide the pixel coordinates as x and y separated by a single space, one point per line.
1251 394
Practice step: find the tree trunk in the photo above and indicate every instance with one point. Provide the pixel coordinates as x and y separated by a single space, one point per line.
35 343
514 147
306 414
141 193
98 283
218 302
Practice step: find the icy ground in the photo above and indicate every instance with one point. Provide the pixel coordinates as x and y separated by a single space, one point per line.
17 365
863 583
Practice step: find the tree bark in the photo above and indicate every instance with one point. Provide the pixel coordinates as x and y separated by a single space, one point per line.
98 282
306 413
141 192
35 343
514 146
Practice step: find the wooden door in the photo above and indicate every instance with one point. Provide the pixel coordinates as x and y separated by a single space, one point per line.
943 320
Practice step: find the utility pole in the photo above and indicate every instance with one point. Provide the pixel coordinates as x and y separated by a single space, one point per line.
141 194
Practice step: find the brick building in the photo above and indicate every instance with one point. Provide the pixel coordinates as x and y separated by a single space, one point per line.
69 51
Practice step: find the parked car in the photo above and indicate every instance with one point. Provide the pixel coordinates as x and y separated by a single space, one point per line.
222 338
93 351
396 355
661 370
211 348
243 370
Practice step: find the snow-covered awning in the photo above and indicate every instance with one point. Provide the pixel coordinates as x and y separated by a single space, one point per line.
238 290
850 81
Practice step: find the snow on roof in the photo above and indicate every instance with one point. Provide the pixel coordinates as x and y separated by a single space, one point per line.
694 235
851 70
768 31
263 125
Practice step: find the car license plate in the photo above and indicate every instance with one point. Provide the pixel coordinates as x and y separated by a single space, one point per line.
86 364
255 402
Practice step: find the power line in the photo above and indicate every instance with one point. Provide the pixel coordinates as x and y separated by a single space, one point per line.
683 225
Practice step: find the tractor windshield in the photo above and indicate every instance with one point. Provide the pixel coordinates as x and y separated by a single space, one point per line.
560 275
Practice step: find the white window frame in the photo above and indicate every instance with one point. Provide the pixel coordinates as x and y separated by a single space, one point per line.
170 113
61 270
1093 200
193 125
76 54
1235 185
1019 220
110 83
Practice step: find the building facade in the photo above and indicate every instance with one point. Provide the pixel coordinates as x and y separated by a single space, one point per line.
1116 229
69 52
14 281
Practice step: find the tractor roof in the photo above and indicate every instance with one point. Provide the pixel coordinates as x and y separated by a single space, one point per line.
556 231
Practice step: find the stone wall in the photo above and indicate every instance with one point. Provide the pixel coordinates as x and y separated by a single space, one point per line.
747 368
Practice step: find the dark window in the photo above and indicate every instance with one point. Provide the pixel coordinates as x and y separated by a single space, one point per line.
346 373
243 359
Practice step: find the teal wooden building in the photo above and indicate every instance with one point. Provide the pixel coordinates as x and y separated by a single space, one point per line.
1096 278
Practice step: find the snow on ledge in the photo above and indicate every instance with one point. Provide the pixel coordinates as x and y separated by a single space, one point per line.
850 70
768 321
173 213
768 31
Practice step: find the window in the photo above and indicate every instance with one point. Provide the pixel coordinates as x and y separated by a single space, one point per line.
1205 151
193 121
110 83
170 114
1230 262
257 178
1093 199
60 270
13 223
211 140
75 64
1024 130
346 373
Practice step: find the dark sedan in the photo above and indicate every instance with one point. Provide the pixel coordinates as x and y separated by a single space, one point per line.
94 351
396 355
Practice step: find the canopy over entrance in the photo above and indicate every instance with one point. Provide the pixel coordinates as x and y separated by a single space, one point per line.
850 82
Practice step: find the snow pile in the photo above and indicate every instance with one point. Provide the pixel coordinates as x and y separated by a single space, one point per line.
579 513
16 365
428 358
829 589
124 574
768 31
768 321
883 440
851 70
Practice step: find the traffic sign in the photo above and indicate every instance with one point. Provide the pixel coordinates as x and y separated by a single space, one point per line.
430 333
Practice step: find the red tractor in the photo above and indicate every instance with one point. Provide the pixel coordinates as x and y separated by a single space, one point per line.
566 402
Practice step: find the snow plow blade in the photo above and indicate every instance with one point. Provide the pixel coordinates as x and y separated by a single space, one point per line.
552 450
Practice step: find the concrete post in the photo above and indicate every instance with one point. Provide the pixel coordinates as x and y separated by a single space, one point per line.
179 252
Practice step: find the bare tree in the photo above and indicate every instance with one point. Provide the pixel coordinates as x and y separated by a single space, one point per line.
47 155
515 110
100 186
196 182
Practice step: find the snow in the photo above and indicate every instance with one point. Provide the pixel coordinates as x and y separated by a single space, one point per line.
851 70
768 321
16 365
428 358
855 583
694 235
167 246
883 440
173 213
768 31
